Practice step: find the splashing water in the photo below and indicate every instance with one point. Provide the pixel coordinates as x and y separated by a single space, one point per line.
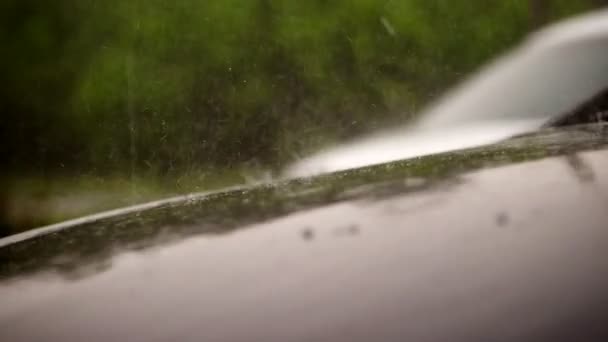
557 70
409 143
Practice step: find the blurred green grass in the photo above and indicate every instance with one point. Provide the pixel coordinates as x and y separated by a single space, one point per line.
107 103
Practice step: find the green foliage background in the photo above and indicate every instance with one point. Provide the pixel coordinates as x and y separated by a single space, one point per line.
158 87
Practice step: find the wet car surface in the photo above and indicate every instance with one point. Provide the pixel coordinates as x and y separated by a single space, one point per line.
505 242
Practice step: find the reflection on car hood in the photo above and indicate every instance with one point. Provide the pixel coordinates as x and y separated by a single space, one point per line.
501 243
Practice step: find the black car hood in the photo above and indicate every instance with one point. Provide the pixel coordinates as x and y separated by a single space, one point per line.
506 242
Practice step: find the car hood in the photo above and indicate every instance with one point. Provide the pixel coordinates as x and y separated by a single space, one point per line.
227 211
504 241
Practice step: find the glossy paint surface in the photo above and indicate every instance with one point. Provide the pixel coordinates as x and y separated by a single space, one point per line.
505 243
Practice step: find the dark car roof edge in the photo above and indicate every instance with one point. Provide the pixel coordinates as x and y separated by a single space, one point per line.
56 227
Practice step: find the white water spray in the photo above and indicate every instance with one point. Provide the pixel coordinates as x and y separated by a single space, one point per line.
548 77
